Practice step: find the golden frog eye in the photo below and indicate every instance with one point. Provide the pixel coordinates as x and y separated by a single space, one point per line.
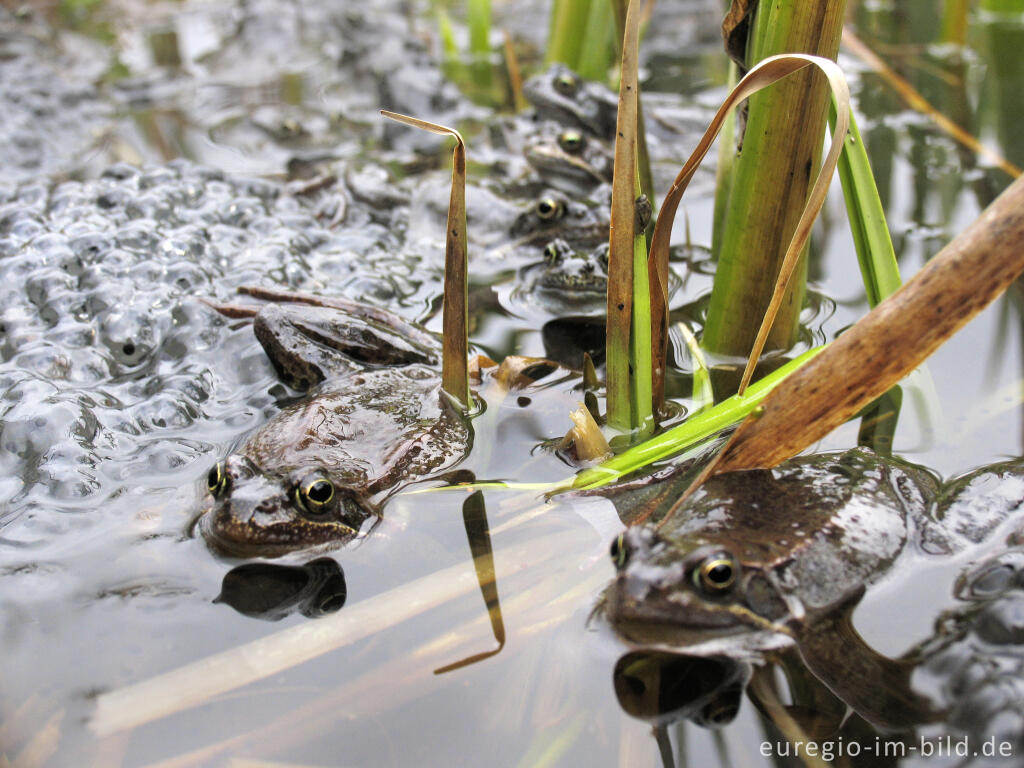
618 551
571 142
717 573
567 84
549 209
551 254
314 494
217 479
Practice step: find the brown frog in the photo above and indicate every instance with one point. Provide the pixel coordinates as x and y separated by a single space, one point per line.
561 95
376 419
766 549
569 159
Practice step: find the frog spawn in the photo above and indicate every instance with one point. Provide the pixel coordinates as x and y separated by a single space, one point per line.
106 359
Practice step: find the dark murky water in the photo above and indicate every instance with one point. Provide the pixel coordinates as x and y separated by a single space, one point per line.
119 389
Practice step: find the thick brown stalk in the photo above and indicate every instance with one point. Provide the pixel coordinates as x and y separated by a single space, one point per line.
889 342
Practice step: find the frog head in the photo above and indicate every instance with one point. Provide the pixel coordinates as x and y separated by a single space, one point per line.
249 511
663 591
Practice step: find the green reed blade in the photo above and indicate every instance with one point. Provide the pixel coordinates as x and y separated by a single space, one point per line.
564 39
723 172
954 21
478 13
597 51
451 61
871 239
641 385
695 430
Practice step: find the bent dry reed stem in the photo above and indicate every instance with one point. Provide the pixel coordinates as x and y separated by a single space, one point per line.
455 322
781 147
764 74
891 340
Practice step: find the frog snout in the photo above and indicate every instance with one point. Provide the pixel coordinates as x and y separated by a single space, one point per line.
253 501
578 266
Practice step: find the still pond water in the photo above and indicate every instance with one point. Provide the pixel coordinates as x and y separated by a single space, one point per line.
145 151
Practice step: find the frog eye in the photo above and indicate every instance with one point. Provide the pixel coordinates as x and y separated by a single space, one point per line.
551 254
217 479
567 84
717 573
571 142
619 552
549 209
314 494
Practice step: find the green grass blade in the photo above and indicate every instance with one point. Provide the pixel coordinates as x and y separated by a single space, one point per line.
564 38
598 50
478 14
696 429
954 21
641 384
723 173
871 238
451 62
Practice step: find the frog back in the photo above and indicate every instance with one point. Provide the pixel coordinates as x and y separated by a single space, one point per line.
822 525
375 429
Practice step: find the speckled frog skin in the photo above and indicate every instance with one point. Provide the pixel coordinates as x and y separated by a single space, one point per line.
375 419
567 280
764 549
561 95
569 159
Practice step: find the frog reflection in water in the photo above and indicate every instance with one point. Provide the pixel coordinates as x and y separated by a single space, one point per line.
324 465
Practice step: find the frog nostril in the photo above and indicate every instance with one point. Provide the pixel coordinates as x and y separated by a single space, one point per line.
266 507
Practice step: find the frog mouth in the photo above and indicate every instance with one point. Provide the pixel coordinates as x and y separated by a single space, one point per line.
552 160
573 282
236 538
646 616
